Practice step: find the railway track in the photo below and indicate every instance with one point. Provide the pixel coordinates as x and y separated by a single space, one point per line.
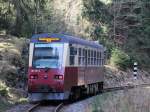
105 90
34 108
123 88
58 108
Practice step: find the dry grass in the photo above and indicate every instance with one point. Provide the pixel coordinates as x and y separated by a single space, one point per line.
115 77
135 100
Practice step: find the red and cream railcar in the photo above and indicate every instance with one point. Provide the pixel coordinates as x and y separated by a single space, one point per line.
62 66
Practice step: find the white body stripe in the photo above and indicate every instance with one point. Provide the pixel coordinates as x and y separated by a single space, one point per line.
135 68
135 73
31 53
65 54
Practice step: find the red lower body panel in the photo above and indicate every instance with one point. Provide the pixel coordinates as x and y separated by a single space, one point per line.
45 80
78 76
72 76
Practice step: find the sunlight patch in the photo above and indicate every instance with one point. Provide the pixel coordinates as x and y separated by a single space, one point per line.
106 1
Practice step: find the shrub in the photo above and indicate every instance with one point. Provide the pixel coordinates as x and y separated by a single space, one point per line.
9 74
3 89
120 59
3 92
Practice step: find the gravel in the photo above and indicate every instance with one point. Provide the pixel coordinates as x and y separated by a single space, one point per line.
20 108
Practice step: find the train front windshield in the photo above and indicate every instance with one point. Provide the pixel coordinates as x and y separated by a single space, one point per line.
48 55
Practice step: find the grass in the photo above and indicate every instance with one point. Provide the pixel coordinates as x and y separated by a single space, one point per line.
135 100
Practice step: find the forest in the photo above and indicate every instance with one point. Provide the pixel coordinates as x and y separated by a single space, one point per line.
122 26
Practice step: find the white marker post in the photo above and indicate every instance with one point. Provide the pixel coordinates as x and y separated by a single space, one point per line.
135 70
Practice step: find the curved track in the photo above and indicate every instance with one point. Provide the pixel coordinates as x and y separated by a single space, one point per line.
34 108
105 90
123 88
58 108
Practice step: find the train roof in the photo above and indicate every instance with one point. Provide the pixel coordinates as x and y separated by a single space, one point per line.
66 38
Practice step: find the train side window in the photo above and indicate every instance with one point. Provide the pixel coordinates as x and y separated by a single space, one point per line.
94 57
88 57
71 60
71 50
72 56
97 58
79 51
83 57
91 57
80 58
100 55
100 61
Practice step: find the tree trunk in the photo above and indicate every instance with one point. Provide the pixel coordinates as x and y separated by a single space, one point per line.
19 19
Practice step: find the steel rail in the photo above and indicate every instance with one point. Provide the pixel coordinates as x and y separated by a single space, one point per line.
123 88
33 108
58 108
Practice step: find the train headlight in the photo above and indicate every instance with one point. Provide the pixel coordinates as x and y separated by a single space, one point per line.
35 70
59 77
33 76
